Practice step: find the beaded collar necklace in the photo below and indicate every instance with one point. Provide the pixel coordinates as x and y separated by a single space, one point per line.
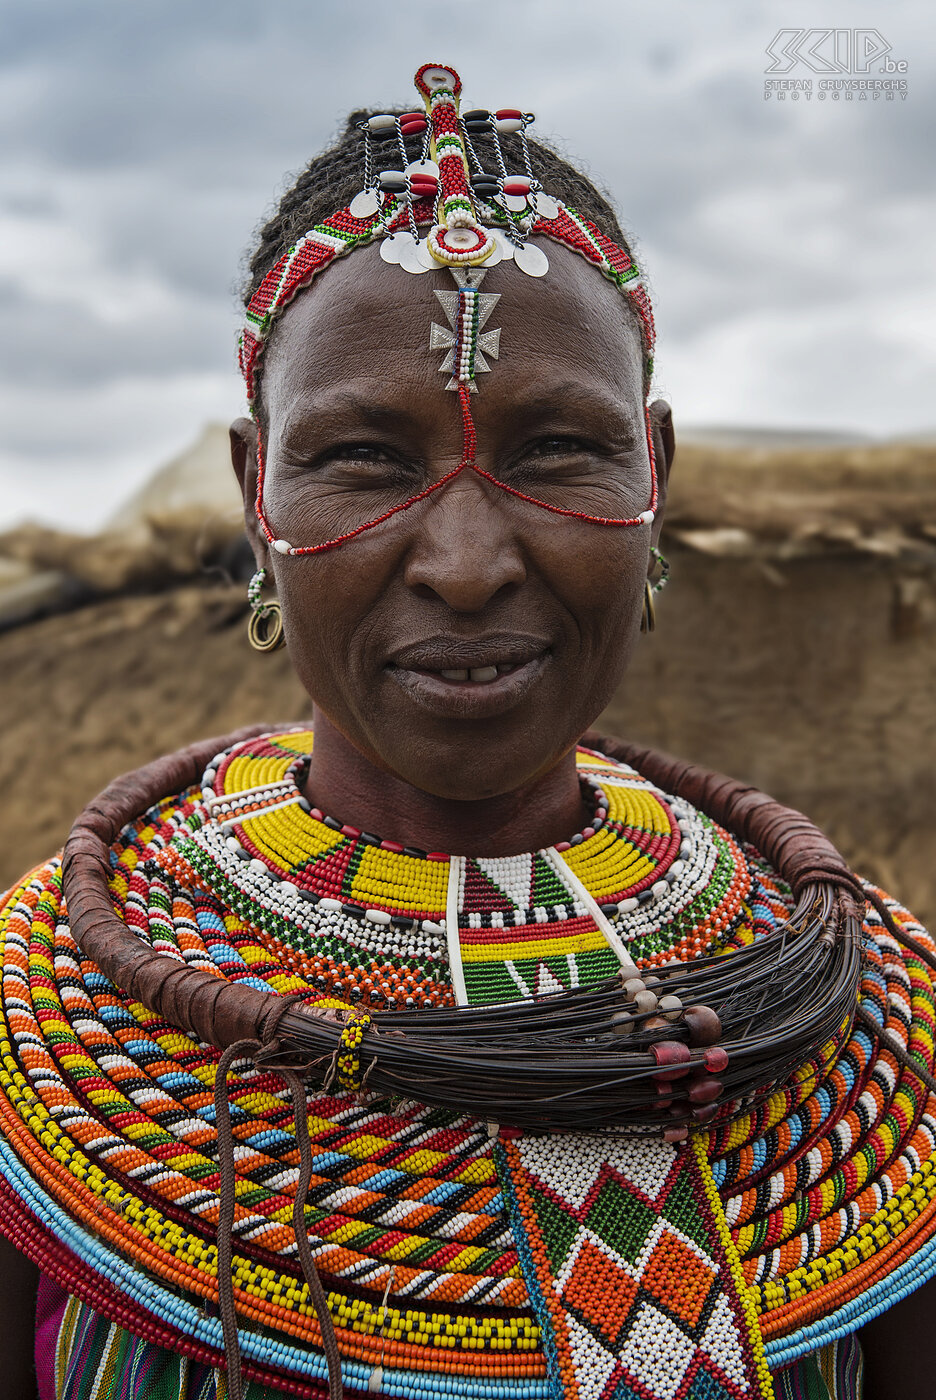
647 880
475 220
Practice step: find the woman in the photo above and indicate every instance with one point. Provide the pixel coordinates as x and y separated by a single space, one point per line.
523 1178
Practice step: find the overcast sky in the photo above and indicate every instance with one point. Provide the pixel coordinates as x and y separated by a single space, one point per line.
790 244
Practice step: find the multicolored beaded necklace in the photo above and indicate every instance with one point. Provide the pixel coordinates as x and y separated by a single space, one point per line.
357 913
456 1263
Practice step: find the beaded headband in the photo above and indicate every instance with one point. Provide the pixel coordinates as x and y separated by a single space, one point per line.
477 219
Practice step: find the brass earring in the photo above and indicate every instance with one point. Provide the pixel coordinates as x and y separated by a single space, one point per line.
648 615
265 624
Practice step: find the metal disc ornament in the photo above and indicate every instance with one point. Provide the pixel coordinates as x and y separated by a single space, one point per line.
424 256
423 167
497 253
391 249
503 244
546 206
531 260
411 259
363 205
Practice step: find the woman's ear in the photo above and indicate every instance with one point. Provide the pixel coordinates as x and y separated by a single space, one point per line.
244 461
664 450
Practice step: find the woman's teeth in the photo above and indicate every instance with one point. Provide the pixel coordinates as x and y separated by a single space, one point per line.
479 674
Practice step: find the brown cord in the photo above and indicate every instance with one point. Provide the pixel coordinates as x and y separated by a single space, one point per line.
900 933
900 1052
316 1291
249 1049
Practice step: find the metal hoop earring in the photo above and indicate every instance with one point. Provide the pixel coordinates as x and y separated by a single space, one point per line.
648 615
265 624
660 567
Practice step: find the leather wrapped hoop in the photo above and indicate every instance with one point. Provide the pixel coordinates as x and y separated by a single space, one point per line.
648 616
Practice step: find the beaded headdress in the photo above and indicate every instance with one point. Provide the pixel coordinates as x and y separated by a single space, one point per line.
476 219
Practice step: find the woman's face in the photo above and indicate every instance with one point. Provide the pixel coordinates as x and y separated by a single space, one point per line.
539 611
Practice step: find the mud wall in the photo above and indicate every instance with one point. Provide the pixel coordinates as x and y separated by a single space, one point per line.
815 679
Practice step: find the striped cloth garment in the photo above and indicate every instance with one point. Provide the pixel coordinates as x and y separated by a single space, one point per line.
834 1372
97 1360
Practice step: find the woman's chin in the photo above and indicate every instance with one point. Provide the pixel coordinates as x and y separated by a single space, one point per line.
451 742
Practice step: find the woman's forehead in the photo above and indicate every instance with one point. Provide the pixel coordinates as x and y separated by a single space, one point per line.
367 320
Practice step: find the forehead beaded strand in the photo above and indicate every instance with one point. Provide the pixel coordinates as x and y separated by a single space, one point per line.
476 219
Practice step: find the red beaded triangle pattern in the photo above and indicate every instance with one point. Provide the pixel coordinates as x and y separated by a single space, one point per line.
627 1254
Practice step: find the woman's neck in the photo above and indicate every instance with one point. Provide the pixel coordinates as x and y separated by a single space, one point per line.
346 785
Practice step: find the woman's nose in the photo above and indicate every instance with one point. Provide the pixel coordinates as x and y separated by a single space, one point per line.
465 550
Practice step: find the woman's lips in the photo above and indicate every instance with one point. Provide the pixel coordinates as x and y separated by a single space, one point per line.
470 692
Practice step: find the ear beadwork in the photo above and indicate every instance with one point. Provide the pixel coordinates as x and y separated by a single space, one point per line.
265 624
659 583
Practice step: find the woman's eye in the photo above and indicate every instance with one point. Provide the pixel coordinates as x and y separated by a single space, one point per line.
359 452
559 447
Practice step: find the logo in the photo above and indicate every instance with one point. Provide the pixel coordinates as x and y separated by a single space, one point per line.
831 51
848 63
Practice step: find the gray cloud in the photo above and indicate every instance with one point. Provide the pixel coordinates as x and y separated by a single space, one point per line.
789 244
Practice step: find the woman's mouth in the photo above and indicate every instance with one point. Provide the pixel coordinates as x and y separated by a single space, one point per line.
476 680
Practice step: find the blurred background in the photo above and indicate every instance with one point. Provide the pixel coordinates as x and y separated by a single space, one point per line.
775 164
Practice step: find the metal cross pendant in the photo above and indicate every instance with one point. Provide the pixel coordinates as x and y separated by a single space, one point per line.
465 339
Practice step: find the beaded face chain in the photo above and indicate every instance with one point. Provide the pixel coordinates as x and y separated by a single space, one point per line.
476 221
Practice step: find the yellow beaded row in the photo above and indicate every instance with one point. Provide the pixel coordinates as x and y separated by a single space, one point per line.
699 1146
586 942
906 1204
